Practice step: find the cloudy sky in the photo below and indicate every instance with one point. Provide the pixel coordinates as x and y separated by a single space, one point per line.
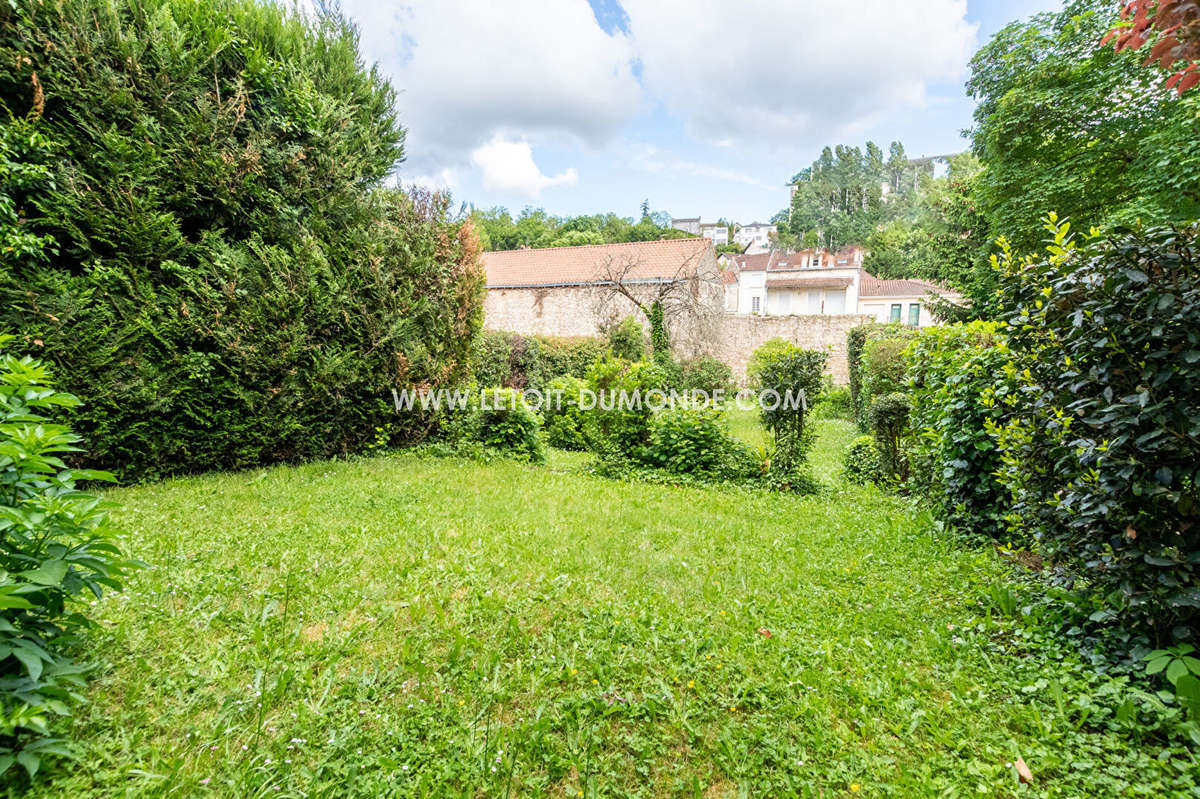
585 106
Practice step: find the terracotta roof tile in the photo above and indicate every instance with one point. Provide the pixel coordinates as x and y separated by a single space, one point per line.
871 286
809 282
559 266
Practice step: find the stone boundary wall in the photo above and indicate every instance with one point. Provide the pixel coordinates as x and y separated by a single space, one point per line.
572 311
738 337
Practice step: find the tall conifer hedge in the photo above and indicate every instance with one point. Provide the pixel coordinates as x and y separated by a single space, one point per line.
195 232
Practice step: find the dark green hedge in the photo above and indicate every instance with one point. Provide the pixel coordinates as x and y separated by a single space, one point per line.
518 361
1102 454
217 272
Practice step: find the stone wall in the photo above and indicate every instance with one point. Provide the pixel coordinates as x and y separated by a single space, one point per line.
560 311
574 311
739 336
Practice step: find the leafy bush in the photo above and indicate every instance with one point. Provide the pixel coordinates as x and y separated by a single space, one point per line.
617 426
794 375
860 463
834 402
958 389
875 369
562 417
768 351
1103 453
504 422
889 423
688 440
706 374
514 360
627 340
56 544
230 285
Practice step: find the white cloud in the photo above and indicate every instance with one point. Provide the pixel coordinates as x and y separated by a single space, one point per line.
509 166
800 72
649 158
468 70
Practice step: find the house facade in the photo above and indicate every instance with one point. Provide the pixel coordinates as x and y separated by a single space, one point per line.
821 283
754 238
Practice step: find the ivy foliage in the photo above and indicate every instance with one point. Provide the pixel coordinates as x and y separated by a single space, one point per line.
217 272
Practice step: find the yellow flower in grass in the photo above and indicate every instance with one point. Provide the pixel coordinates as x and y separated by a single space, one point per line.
854 787
691 683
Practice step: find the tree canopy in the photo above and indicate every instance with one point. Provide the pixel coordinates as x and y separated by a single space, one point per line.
1066 125
535 228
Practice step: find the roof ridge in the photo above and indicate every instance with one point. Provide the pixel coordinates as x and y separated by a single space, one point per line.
597 246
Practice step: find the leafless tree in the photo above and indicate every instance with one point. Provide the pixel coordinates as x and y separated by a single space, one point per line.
687 302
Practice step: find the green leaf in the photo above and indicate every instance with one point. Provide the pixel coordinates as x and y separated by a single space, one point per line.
1158 664
30 761
1175 670
51 572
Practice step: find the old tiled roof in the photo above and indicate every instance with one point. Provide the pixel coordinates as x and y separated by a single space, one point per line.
871 286
809 282
729 277
573 266
755 263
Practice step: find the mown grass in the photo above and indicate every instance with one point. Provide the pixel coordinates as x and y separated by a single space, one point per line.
414 626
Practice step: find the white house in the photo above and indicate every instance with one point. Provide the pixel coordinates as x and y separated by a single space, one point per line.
687 225
718 233
755 237
820 283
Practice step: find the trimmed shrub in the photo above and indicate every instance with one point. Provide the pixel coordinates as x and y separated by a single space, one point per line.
706 374
875 368
860 462
958 390
562 417
229 284
889 422
504 422
517 361
56 545
1103 453
794 375
627 340
768 351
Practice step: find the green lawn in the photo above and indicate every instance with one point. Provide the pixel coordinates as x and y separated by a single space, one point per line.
414 626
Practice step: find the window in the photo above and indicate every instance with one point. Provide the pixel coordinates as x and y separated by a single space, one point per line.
835 302
816 261
914 314
755 304
896 310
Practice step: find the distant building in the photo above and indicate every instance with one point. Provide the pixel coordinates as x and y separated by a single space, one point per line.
754 238
718 233
820 283
690 226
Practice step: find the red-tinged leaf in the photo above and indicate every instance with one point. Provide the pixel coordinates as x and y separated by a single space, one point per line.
1174 79
1188 82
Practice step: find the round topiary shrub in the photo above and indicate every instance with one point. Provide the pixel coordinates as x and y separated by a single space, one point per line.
860 462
